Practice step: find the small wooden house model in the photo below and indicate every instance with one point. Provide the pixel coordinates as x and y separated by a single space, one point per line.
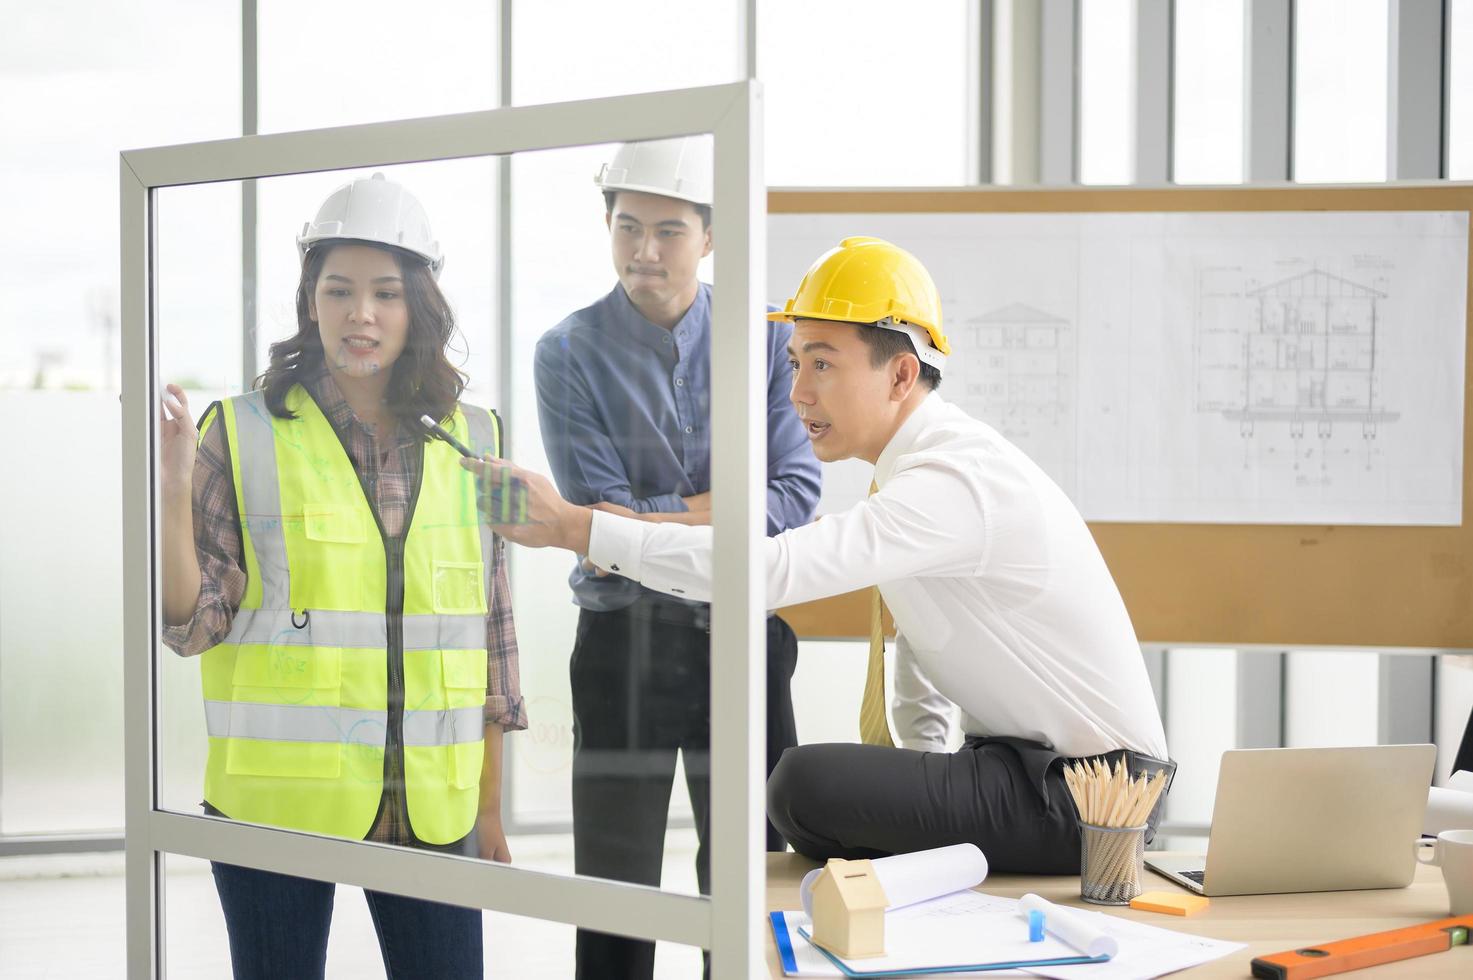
849 909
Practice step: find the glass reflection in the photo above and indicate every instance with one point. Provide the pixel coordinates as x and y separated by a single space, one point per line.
324 557
623 401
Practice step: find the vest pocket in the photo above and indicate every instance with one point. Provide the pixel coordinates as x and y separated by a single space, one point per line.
464 676
458 587
462 671
465 764
338 526
284 719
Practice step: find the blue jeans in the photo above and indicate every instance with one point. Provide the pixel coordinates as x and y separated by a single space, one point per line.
278 928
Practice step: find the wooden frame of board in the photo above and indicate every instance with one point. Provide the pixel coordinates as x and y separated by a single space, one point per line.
1233 584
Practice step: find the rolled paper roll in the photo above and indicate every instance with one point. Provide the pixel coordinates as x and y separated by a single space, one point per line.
1447 809
1071 926
805 890
919 876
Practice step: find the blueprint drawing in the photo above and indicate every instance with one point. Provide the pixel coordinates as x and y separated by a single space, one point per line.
1270 367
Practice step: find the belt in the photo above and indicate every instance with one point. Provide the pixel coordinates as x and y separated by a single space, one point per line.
693 615
670 613
1038 760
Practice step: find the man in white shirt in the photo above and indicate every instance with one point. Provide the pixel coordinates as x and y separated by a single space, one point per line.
1001 600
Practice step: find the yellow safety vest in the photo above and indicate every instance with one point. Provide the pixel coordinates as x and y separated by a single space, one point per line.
298 701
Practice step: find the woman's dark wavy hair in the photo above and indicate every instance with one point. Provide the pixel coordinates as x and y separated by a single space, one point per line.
423 381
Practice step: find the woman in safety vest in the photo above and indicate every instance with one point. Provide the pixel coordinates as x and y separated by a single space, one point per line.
325 556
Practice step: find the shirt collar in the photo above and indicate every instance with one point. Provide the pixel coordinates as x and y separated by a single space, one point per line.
626 317
905 437
329 397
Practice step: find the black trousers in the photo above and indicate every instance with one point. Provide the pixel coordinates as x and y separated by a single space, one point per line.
1007 796
641 684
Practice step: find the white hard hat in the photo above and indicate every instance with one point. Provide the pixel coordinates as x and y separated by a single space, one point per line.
374 210
679 168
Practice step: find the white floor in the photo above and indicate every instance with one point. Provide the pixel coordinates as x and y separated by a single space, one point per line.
62 917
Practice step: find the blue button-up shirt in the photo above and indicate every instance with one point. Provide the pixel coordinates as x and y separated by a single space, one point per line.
625 410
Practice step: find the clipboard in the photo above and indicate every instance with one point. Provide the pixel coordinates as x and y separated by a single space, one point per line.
976 928
789 957
922 971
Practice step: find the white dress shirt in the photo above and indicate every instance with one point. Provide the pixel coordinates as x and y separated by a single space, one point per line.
1002 602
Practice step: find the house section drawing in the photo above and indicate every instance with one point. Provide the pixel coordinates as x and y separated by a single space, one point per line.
1017 370
1295 357
1300 350
1018 366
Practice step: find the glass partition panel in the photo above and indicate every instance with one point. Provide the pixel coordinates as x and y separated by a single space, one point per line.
259 674
610 394
363 655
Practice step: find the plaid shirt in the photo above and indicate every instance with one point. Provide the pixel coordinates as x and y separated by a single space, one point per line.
391 472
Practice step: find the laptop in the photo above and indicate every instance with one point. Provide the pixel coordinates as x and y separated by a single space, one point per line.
1310 820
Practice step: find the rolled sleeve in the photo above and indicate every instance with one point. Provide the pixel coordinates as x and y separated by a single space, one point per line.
585 463
218 547
660 503
505 705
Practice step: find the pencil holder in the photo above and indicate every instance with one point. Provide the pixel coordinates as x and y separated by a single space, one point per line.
1111 863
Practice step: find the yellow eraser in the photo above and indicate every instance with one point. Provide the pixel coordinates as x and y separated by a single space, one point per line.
1170 903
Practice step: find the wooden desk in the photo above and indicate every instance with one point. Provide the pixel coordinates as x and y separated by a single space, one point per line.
1267 923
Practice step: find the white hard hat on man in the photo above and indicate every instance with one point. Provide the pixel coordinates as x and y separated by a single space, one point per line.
863 280
680 168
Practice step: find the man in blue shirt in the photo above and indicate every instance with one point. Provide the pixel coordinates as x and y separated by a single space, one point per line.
623 390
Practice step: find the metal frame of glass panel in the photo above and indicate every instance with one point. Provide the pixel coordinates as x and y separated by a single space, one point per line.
729 923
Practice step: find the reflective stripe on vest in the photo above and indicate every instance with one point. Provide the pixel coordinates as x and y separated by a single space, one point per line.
485 433
334 628
317 723
259 492
296 695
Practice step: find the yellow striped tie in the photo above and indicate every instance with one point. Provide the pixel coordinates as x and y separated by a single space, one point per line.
874 727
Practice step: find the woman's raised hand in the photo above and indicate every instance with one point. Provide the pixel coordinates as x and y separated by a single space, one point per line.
177 439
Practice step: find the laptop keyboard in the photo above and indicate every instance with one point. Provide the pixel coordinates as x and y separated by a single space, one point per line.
1196 876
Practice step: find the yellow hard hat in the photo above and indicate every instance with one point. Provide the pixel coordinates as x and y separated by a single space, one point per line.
869 280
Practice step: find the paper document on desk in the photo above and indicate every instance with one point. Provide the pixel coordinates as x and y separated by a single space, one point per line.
970 928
